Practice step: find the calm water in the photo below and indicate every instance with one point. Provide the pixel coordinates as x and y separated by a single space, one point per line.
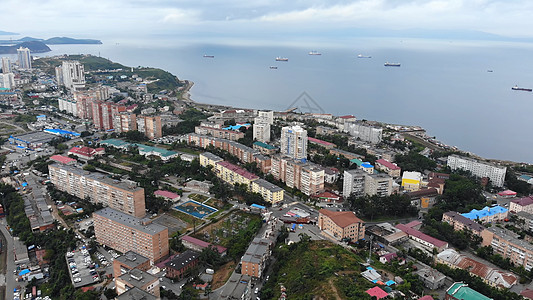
442 86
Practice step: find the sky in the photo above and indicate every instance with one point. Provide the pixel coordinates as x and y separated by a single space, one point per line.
262 19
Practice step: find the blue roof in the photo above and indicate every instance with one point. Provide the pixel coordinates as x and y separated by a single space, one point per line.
257 206
41 116
236 127
366 165
61 132
485 212
525 177
264 145
390 282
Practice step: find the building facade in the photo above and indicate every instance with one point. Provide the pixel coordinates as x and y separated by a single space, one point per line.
294 142
123 196
71 75
270 192
24 58
495 173
124 233
341 225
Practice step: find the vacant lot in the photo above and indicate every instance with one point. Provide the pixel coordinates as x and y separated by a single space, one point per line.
174 224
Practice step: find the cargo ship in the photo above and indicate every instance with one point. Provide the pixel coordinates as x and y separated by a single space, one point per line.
273 67
281 59
388 64
314 53
363 56
209 56
516 88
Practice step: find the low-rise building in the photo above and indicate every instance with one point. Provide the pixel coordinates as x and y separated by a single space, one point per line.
341 225
63 159
264 148
431 278
386 166
178 266
461 291
137 279
219 133
488 214
86 153
422 240
523 204
167 195
387 234
239 286
424 198
411 181
460 222
129 261
321 143
199 245
506 243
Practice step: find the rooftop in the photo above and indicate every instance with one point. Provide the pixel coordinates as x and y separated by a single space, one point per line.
132 259
137 278
341 218
524 201
62 159
201 243
182 260
264 145
268 185
129 221
460 290
387 164
321 142
237 170
377 292
166 194
413 232
485 212
211 156
472 225
135 294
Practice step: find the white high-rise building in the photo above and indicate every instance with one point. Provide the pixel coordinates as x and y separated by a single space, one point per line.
71 75
360 183
364 132
294 142
24 58
496 174
354 183
266 116
7 80
6 65
261 130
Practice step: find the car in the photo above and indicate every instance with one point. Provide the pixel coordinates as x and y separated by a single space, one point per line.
77 279
267 277
163 287
256 290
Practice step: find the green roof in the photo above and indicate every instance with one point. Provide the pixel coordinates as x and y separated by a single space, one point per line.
356 161
264 145
460 290
144 148
114 143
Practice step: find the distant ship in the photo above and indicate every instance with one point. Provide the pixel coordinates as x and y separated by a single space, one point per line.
388 64
363 56
209 56
281 59
490 71
516 88
273 67
314 53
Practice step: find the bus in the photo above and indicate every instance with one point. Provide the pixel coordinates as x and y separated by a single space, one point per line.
293 227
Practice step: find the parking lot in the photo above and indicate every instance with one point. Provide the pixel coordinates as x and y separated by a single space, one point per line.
82 268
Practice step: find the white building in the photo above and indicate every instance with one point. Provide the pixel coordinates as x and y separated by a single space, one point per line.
364 132
68 105
411 181
7 80
24 58
360 183
261 131
496 174
6 65
294 142
71 75
266 116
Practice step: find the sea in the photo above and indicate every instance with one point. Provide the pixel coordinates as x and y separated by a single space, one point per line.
458 90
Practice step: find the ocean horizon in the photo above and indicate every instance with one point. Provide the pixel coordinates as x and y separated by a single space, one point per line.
459 91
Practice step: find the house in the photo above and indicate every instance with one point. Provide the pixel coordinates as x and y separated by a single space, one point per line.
198 245
371 275
423 241
431 278
507 194
522 204
377 292
63 159
461 291
86 153
387 258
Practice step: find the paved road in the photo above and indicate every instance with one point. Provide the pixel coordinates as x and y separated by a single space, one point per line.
10 261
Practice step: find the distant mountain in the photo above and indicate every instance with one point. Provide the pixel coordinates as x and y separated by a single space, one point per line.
52 41
34 46
7 33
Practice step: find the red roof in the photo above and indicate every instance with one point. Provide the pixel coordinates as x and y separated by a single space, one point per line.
377 292
347 117
387 164
321 142
507 193
527 293
166 194
524 201
238 170
328 195
426 297
202 244
84 151
413 232
343 219
62 159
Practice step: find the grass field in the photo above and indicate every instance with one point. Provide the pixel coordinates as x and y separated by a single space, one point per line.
221 232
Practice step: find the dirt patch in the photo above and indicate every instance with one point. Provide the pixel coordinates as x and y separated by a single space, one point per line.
334 288
222 275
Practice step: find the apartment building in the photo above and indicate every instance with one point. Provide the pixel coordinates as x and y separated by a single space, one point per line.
305 176
294 142
270 192
386 166
124 196
411 181
124 233
264 148
68 105
495 173
523 204
261 131
233 174
341 224
124 122
150 126
219 133
507 244
364 132
71 74
488 214
254 260
345 154
460 222
209 159
360 183
138 279
178 266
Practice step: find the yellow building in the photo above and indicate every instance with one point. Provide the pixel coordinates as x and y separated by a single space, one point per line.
270 192
209 159
232 174
411 181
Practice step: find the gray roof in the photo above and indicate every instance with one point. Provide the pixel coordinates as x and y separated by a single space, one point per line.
267 185
99 177
132 259
182 260
211 156
236 286
135 294
510 237
470 224
35 137
129 221
137 278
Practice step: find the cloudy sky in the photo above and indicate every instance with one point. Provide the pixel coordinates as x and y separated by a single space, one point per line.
261 18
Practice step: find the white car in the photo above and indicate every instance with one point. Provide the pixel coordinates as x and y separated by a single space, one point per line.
77 279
